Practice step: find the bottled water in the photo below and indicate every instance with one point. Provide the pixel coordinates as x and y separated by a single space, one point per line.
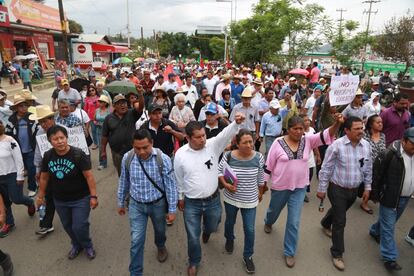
42 212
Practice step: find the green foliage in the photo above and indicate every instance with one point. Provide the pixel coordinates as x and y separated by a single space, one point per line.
394 42
217 47
75 27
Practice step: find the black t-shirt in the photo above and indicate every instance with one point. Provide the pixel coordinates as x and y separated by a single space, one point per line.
162 139
120 131
210 133
55 93
197 108
66 173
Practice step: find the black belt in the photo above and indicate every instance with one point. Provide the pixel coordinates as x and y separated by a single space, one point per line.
356 188
214 195
151 202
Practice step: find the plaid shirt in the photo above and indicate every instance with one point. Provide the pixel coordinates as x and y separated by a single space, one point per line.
346 165
70 121
140 188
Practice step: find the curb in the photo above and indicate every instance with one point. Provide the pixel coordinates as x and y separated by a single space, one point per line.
37 87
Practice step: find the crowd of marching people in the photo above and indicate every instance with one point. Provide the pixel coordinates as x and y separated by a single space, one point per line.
189 138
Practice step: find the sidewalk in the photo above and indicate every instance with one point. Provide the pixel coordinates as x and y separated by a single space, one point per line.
11 90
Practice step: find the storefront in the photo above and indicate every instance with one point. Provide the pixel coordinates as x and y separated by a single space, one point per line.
28 27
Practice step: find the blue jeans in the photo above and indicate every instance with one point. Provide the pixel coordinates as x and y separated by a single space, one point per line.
28 160
94 133
249 219
294 200
74 216
194 211
268 142
138 218
385 226
98 133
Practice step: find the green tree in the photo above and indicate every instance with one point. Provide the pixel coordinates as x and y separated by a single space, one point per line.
174 44
217 48
395 42
75 27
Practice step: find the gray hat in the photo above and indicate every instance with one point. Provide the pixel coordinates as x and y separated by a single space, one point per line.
118 98
409 134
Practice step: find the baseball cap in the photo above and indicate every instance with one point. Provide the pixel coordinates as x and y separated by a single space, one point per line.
409 134
292 79
118 98
211 108
64 82
170 75
274 104
154 107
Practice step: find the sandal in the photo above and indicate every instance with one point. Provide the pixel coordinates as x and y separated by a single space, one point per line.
369 211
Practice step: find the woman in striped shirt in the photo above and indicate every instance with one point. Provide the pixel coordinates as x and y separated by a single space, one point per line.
244 193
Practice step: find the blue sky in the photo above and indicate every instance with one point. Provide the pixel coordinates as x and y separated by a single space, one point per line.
106 16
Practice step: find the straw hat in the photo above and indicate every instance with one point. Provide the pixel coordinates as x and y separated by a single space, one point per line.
27 95
104 99
257 81
225 77
247 93
41 112
359 92
17 100
199 75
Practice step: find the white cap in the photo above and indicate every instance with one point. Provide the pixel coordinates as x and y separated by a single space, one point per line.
274 104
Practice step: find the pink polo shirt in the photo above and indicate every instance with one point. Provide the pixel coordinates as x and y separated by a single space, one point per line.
288 172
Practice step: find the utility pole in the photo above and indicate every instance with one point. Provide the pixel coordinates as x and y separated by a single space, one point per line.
156 44
369 12
64 32
235 10
128 30
142 41
341 11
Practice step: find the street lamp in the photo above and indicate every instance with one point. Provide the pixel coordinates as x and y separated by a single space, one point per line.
231 2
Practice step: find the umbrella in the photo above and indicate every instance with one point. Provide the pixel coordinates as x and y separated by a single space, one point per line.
78 83
122 87
299 71
19 57
31 56
122 60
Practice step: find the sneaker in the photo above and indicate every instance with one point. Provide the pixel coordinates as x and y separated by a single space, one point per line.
249 265
94 147
73 253
31 210
267 228
7 266
290 261
90 253
306 199
31 193
392 265
229 246
44 231
338 263
409 240
6 229
100 168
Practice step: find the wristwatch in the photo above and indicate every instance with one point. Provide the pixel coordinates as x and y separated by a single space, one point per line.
94 196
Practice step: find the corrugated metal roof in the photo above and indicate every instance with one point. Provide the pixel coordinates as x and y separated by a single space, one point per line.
93 38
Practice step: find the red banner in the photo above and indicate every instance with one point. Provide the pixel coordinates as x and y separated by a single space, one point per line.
4 17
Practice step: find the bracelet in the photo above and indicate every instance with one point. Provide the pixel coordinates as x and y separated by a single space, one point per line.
94 196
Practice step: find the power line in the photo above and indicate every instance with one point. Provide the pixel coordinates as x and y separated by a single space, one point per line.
369 12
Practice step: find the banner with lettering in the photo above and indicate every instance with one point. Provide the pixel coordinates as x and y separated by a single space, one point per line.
343 89
76 138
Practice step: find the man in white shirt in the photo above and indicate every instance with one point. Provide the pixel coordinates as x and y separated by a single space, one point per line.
192 95
195 167
69 93
310 102
210 82
170 83
393 186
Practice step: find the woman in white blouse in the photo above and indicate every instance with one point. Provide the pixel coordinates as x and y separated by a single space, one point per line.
12 179
373 105
181 114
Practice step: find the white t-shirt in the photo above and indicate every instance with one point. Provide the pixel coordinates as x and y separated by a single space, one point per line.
82 115
209 84
311 160
310 103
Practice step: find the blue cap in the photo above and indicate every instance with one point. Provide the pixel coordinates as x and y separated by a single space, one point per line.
212 108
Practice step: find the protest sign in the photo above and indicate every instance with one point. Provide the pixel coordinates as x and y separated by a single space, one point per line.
76 138
343 89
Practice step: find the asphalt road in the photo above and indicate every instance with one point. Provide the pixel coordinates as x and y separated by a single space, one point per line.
110 234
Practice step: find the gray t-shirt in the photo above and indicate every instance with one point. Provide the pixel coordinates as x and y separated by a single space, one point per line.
360 112
71 95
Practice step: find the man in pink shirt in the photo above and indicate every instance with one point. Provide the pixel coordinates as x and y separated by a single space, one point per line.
314 75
